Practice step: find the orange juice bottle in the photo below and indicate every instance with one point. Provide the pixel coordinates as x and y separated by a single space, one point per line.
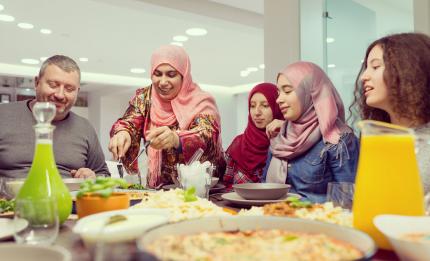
388 181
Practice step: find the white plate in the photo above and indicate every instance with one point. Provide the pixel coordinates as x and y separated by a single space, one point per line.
92 228
233 197
7 227
15 252
217 188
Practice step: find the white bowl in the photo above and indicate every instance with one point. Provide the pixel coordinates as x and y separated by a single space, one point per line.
394 227
214 181
13 186
92 228
72 183
12 251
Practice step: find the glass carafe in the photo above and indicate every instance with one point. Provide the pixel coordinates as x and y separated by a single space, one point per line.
44 180
388 180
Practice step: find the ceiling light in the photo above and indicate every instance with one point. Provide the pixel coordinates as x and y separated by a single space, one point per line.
7 18
252 69
137 70
45 31
196 31
25 26
176 43
29 61
331 65
361 61
262 66
244 73
1 7
180 38
330 39
43 58
83 59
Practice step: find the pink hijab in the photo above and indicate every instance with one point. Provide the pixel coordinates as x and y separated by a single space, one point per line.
323 115
190 102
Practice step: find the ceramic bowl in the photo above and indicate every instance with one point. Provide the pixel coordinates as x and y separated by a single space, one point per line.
214 181
92 204
356 238
11 251
261 191
395 227
73 184
13 186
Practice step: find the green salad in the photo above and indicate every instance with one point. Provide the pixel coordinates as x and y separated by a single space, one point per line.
7 205
101 186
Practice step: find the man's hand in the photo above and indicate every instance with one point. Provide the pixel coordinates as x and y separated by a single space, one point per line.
83 173
119 144
163 138
273 128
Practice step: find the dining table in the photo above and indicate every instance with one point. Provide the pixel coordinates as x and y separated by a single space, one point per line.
129 251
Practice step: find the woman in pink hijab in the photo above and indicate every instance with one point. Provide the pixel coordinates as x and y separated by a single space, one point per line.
247 154
314 146
174 114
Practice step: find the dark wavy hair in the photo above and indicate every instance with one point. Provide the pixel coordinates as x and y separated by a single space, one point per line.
407 76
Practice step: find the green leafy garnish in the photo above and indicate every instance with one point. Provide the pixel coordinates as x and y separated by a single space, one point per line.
115 219
7 205
136 186
297 203
301 204
190 194
221 241
292 199
290 238
101 186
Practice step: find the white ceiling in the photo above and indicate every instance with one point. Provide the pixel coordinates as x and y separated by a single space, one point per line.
116 35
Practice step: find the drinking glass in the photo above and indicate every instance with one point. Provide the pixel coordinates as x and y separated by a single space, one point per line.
40 219
341 194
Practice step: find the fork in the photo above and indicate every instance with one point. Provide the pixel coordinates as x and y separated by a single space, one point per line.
145 148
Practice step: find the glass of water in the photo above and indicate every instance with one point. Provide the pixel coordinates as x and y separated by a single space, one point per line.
341 194
36 221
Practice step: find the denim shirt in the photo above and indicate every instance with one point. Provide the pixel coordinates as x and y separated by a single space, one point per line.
309 173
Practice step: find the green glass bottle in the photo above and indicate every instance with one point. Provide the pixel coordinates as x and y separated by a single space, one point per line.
44 180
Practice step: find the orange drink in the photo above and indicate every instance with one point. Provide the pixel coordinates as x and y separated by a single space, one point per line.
388 180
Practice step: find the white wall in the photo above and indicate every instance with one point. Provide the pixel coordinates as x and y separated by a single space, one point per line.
241 100
106 110
422 16
312 32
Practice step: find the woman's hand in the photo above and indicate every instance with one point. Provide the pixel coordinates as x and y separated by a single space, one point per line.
273 128
119 144
162 138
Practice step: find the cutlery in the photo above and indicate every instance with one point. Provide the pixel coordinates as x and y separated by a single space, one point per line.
145 148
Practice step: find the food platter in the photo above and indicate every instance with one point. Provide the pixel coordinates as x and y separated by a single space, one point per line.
349 236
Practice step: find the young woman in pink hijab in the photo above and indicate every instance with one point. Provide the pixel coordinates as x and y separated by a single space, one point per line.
314 146
247 154
174 114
